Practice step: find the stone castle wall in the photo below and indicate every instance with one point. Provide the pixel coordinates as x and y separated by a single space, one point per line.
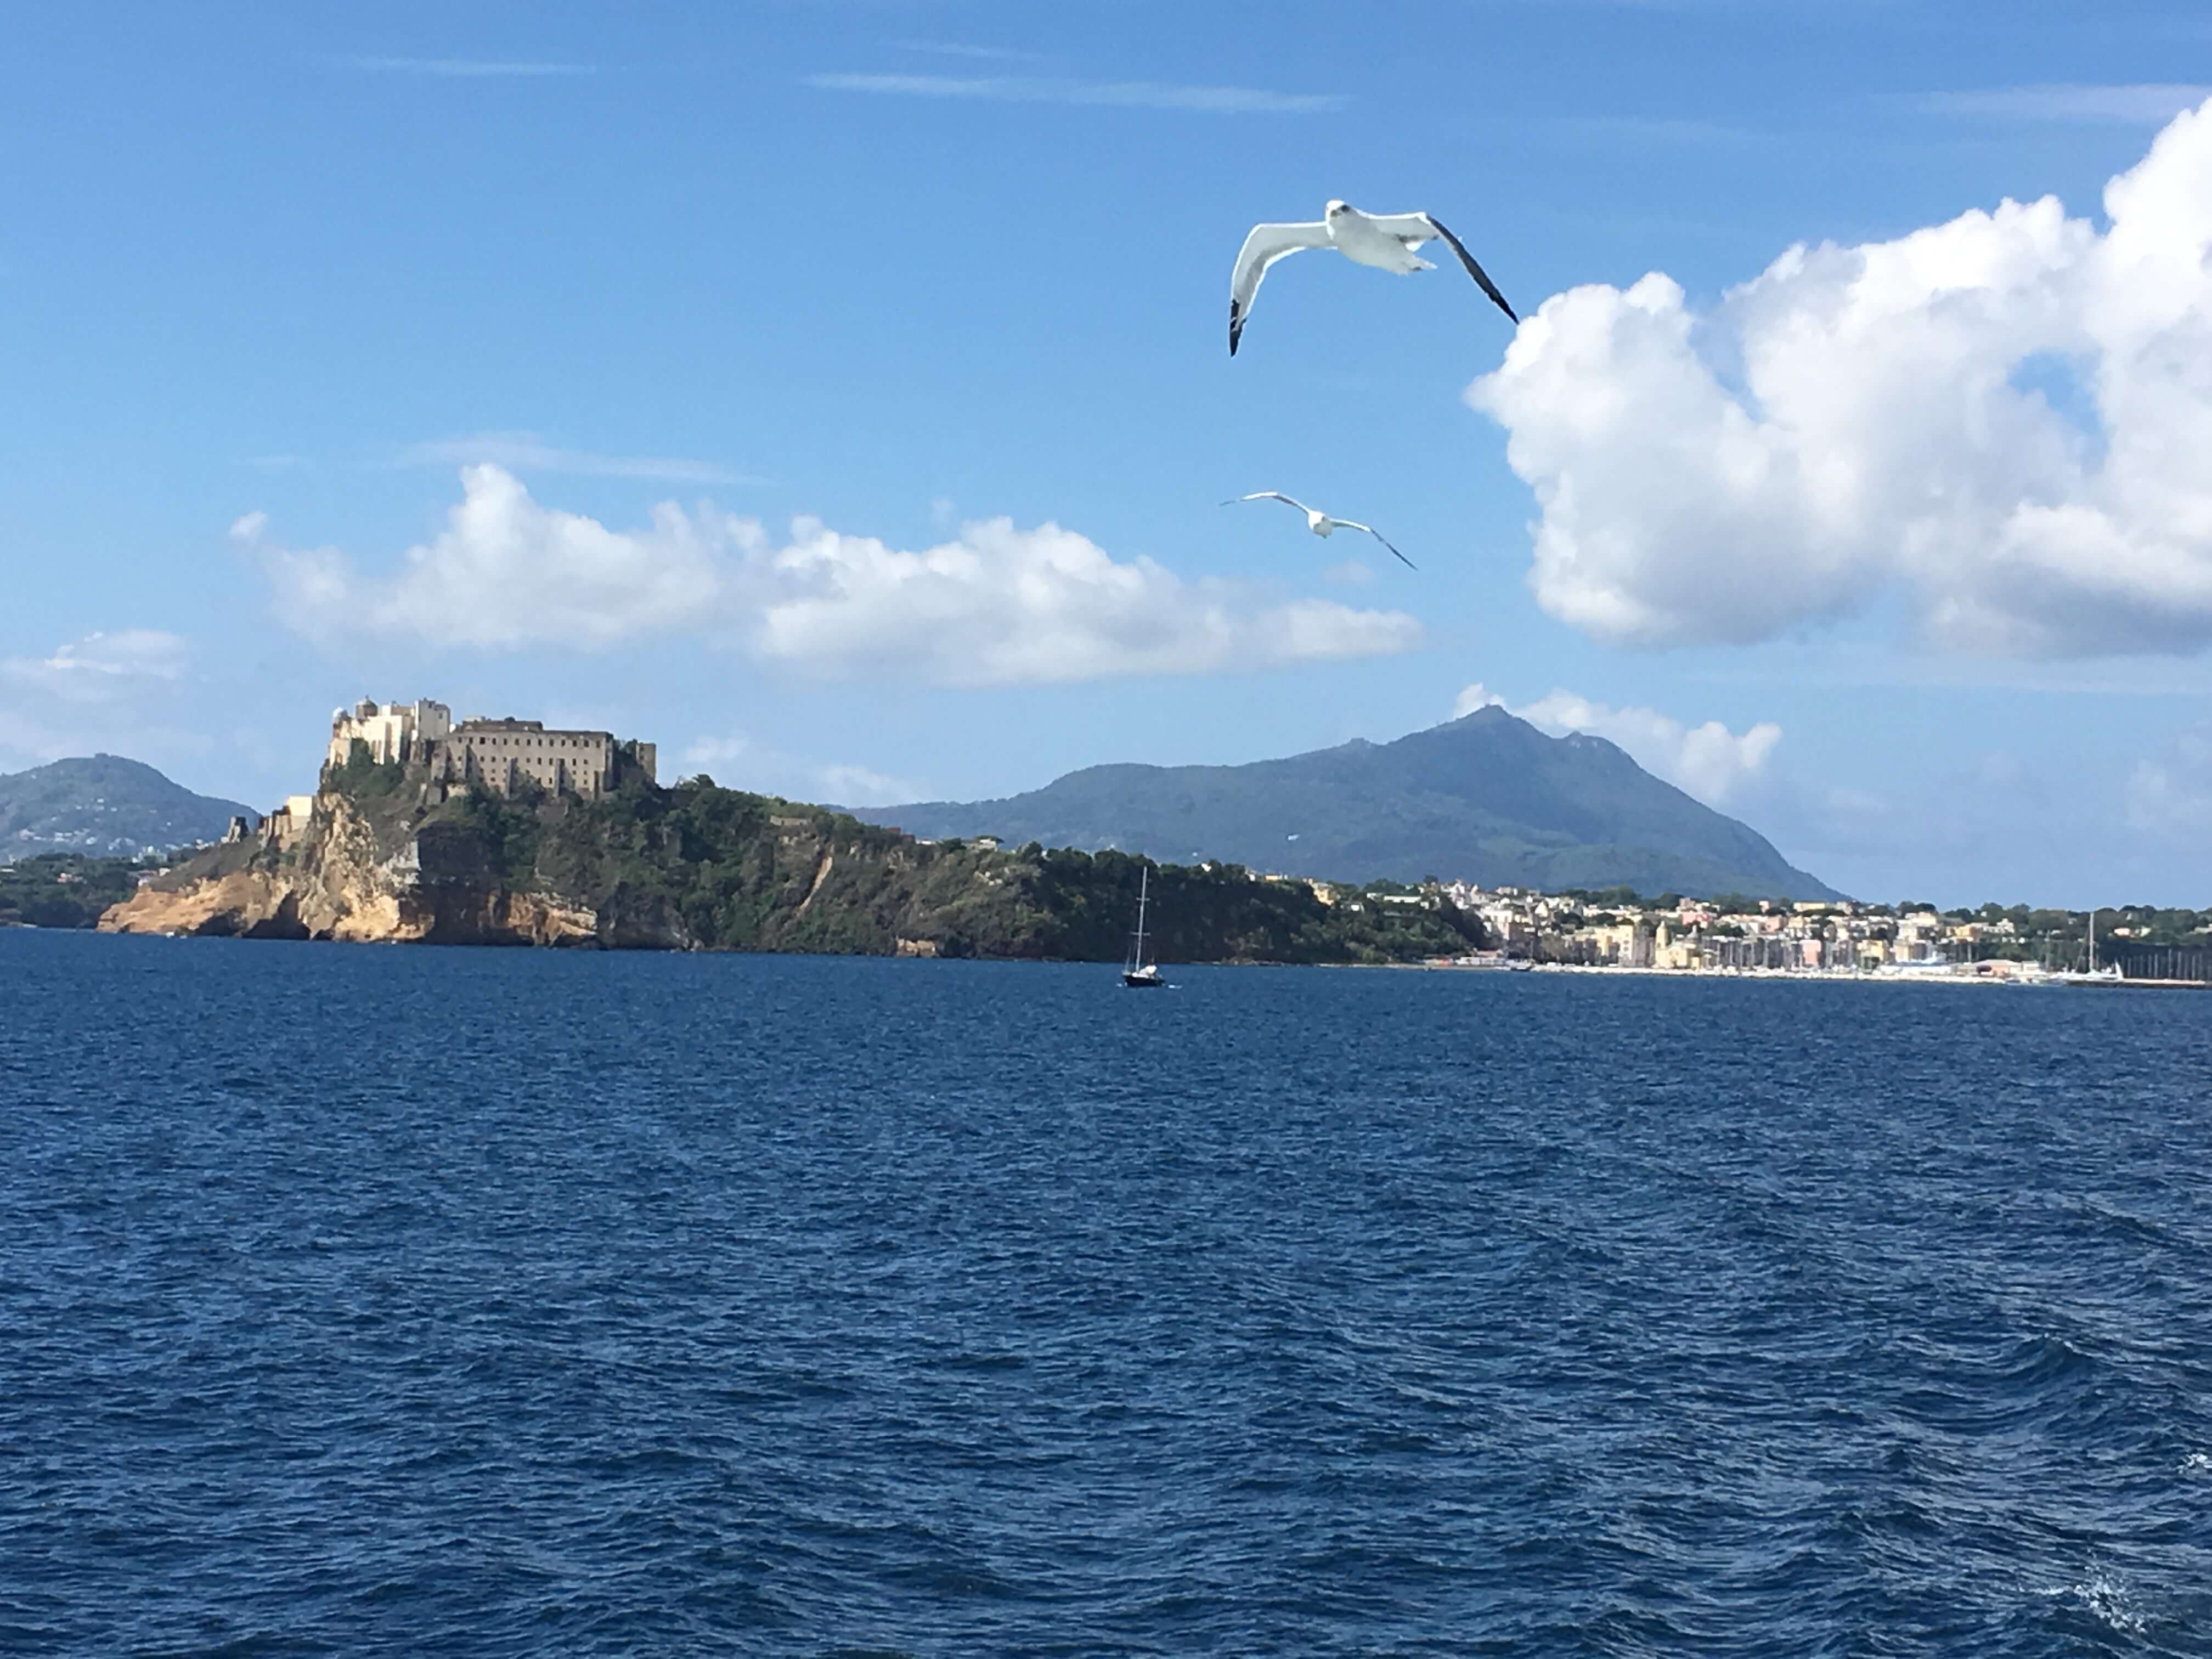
500 756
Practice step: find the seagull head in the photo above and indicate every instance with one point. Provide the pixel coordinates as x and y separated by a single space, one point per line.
1335 208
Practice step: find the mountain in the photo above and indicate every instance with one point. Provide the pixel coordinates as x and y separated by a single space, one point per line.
104 805
1487 798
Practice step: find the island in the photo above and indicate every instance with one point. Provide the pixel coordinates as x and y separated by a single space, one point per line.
507 832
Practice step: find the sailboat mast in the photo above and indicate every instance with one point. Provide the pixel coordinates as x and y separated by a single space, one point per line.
1144 888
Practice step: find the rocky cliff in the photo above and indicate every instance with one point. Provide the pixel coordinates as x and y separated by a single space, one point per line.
353 877
390 855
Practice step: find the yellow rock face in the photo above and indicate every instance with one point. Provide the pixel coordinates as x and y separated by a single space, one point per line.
343 886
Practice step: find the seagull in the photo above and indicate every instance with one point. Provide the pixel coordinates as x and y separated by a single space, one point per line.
1320 524
1385 240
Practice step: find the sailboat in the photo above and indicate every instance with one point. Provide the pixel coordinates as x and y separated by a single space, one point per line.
1136 972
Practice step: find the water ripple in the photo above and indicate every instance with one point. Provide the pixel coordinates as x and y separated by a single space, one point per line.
387 1301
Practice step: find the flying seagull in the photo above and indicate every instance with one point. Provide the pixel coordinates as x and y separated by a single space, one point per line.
1385 240
1320 524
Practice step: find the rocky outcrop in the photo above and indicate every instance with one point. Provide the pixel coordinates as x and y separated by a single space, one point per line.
353 879
391 851
244 904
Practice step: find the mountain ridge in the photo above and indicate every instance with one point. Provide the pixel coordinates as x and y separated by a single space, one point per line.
1487 798
104 803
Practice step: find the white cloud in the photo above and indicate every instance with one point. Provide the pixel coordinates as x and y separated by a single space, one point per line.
1116 95
996 605
717 751
101 667
2170 798
122 691
736 762
505 571
1003 606
2003 416
524 451
247 526
2145 104
467 68
1708 761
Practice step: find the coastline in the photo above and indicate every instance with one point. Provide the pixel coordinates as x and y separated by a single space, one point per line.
1801 976
1807 975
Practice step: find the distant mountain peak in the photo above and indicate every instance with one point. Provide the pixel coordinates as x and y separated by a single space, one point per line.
1485 798
104 804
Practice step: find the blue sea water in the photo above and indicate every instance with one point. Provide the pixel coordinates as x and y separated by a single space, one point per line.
404 1301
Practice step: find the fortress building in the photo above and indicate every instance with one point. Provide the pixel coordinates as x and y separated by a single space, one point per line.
503 755
500 756
393 731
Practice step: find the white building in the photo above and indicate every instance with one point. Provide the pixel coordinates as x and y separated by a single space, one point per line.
392 731
289 821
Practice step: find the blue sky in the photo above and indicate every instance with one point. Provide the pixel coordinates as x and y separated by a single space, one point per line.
843 397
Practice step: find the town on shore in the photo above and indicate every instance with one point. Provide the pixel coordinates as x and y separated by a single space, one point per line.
1616 929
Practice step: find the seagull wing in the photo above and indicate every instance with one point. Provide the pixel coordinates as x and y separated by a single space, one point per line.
1352 524
1269 496
1265 244
1414 228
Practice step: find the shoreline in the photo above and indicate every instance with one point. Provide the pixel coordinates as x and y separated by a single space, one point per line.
1772 975
1807 975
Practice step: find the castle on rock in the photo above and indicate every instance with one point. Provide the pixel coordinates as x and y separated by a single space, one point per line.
504 756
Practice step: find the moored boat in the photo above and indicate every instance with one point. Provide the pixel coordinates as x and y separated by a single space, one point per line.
1136 972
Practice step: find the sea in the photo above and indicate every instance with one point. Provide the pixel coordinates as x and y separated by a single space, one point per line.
365 1300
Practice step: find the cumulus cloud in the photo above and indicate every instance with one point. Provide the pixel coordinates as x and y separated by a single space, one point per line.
505 571
2003 417
995 606
1003 606
1707 761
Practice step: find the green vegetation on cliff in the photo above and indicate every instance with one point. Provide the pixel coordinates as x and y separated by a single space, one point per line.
63 889
721 869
